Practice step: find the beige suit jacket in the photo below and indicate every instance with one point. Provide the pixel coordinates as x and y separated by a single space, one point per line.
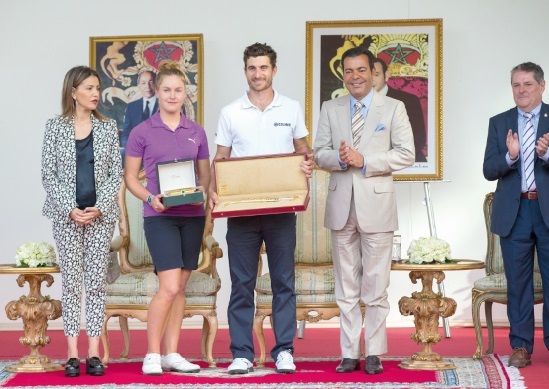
387 143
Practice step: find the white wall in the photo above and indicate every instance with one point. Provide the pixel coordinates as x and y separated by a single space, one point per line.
483 40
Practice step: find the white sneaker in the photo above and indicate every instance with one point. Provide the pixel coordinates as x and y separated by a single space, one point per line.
151 364
240 366
175 362
285 362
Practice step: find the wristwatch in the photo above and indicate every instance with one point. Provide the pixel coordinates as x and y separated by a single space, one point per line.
149 199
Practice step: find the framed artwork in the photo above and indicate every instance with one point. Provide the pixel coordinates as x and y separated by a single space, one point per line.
127 66
409 67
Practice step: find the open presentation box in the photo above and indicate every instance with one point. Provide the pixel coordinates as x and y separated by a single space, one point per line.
262 185
177 181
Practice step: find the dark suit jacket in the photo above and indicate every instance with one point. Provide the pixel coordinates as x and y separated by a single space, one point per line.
507 195
132 117
415 114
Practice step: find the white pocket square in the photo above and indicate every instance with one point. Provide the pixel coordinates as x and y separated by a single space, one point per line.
380 127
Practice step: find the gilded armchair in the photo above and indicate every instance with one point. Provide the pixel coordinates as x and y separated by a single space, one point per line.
493 288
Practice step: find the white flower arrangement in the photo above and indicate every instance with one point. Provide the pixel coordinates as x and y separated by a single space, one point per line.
427 250
35 254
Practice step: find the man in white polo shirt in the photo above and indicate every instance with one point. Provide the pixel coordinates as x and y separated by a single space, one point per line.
259 123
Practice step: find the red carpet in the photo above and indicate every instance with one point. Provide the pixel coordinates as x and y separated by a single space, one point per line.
318 342
488 373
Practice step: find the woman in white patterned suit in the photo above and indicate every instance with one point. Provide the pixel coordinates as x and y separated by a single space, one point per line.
81 173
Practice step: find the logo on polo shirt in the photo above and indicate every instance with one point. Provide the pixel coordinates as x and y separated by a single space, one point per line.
277 124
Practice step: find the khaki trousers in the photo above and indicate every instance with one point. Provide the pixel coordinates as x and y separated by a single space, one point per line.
362 268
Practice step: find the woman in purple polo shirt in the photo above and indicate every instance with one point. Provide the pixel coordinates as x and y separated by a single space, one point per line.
174 234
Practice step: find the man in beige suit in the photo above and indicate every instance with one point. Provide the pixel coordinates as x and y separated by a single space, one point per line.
362 138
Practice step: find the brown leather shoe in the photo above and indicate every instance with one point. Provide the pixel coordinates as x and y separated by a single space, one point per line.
520 358
348 365
373 365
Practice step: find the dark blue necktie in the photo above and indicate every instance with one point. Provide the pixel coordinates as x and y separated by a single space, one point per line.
147 111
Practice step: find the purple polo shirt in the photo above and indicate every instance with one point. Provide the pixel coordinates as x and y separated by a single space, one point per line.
154 142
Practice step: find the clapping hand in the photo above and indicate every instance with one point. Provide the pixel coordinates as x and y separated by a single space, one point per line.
350 156
513 145
542 144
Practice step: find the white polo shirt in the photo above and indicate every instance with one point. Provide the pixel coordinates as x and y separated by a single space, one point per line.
250 131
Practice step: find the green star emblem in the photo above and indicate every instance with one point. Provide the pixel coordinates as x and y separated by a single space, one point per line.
163 52
399 55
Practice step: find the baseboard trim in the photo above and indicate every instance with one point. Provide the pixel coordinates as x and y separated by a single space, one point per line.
334 323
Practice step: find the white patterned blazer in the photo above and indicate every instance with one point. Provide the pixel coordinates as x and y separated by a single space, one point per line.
59 168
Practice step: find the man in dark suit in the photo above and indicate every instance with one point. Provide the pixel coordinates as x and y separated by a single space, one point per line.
516 156
411 103
140 109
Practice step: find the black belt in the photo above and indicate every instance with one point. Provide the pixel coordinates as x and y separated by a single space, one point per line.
529 195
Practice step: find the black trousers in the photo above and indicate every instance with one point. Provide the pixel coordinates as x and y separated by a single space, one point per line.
244 238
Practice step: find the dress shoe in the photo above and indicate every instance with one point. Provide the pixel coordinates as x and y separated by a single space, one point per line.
72 367
373 365
520 357
94 366
348 365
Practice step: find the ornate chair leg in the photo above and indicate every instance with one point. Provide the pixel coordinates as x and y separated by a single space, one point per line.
476 303
123 320
301 331
105 341
204 339
258 328
211 319
490 325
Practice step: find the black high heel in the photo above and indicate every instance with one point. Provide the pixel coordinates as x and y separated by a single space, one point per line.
72 367
94 366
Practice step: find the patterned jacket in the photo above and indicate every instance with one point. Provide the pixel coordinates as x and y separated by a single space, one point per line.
59 168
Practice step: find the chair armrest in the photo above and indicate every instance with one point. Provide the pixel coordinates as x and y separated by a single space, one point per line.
210 242
116 243
262 250
213 246
210 252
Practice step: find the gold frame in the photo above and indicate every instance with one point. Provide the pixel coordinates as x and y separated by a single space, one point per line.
119 84
423 35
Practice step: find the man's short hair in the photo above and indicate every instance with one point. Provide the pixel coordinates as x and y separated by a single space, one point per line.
383 64
355 52
529 67
260 50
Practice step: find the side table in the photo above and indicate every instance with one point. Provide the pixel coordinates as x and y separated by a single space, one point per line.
35 310
427 307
